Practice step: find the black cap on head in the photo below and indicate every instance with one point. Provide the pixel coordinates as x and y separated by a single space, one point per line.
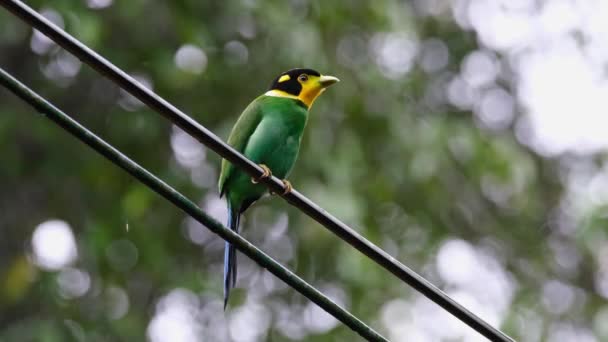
288 81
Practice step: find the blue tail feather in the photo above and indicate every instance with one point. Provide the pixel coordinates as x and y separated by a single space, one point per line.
230 255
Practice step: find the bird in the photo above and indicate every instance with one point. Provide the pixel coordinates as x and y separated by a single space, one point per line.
268 132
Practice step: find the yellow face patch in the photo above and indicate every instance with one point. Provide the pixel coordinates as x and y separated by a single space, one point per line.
310 89
284 78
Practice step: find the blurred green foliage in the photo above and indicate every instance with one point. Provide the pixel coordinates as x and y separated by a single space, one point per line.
381 152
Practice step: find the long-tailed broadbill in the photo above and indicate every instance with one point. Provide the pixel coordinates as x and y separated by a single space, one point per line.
268 132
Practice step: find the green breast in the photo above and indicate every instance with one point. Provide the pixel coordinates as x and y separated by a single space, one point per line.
282 127
274 141
290 114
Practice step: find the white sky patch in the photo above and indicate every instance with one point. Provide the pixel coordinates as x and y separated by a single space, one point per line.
54 245
557 297
477 280
496 108
473 277
397 316
129 102
176 318
558 53
188 152
40 43
566 99
249 323
316 319
394 53
586 190
480 68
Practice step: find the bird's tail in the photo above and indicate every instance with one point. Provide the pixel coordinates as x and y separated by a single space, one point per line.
230 254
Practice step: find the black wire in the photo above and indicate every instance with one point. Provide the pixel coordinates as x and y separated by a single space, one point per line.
209 139
180 201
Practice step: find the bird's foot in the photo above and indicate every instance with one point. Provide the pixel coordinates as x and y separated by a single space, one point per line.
264 175
288 188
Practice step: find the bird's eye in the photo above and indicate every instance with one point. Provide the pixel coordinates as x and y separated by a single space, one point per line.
303 78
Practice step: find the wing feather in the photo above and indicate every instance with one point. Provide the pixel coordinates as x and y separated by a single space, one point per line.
241 132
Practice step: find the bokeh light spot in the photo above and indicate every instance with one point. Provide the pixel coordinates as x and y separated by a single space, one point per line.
73 283
191 58
176 318
54 245
99 4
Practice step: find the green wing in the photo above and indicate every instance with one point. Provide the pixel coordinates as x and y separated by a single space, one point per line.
241 132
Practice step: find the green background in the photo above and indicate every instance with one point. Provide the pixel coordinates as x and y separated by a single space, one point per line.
468 207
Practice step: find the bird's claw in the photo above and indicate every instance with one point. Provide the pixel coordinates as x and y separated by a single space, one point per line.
288 188
264 175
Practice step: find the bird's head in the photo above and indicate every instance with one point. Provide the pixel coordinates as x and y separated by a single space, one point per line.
302 84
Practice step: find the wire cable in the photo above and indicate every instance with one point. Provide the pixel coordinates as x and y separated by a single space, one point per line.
183 203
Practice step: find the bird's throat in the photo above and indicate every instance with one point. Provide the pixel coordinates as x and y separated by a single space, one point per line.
307 97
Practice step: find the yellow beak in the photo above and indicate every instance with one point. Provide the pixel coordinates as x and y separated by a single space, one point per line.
326 81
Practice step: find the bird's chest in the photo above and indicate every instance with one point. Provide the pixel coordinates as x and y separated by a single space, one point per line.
283 150
287 133
287 130
290 144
